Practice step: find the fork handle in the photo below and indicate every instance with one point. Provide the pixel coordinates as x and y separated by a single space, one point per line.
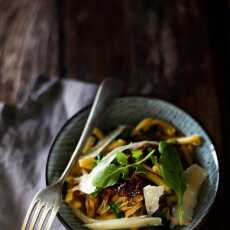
108 90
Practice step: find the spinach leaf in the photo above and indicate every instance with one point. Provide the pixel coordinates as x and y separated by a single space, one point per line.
172 172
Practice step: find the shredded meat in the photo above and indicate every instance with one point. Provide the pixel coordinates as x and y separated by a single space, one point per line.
108 192
132 187
128 204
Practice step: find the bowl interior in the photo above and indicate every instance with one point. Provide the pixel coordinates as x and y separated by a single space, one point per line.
131 110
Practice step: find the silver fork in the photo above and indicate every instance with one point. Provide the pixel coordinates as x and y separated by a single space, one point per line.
47 202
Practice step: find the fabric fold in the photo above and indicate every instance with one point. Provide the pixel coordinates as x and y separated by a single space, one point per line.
26 134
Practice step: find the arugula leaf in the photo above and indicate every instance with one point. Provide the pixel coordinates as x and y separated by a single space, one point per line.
98 159
102 181
122 158
111 174
172 172
125 174
139 169
136 154
154 160
116 210
86 184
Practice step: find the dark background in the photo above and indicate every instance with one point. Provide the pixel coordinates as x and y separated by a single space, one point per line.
175 50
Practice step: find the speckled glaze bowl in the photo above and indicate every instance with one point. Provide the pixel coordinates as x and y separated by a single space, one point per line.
130 110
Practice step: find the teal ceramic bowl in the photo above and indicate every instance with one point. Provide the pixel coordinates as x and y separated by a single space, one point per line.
130 110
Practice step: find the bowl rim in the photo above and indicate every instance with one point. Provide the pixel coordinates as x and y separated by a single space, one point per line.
68 121
197 121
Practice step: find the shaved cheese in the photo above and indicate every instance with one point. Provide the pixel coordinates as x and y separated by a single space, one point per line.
152 196
126 223
195 176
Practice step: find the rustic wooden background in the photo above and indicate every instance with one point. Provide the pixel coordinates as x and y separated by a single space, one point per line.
175 50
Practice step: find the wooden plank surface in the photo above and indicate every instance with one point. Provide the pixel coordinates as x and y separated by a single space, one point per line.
28 45
158 48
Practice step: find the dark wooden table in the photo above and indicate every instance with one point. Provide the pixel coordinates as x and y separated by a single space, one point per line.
174 50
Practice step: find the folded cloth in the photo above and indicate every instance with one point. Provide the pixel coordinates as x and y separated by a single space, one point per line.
26 134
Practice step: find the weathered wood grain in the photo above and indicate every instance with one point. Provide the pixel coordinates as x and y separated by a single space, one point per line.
28 45
160 48
95 39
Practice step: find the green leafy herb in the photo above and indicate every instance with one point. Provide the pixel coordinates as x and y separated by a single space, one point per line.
153 160
139 169
103 178
111 174
122 158
136 154
116 210
125 174
98 159
88 182
172 172
149 149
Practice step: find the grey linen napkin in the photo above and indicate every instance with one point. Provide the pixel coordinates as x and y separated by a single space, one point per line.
26 134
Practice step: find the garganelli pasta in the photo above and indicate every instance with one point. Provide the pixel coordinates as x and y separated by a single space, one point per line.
136 177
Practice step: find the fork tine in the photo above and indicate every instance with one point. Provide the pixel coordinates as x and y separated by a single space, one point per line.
28 214
43 217
51 217
36 214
